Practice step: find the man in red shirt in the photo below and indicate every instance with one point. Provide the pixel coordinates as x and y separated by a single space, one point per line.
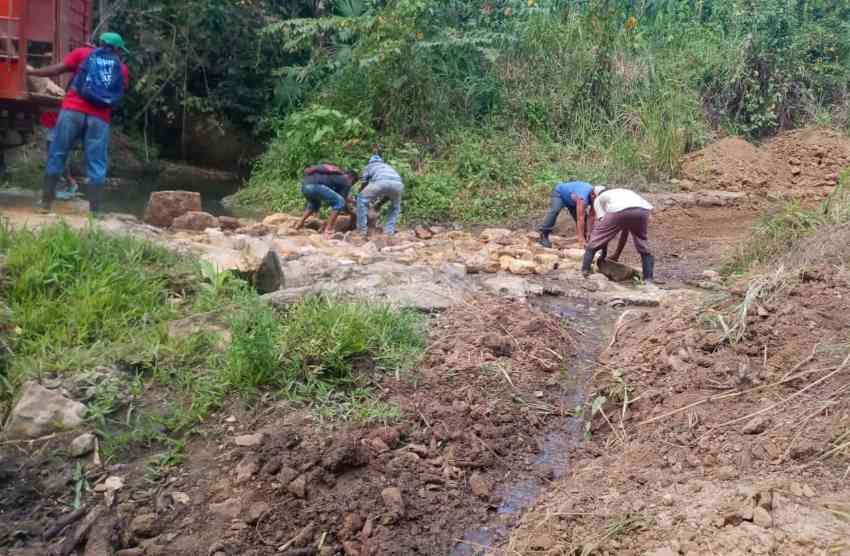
82 118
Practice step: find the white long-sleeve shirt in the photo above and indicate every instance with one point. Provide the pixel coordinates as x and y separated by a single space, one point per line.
616 200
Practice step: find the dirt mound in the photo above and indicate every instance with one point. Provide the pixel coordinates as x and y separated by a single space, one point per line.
796 160
816 156
732 164
718 428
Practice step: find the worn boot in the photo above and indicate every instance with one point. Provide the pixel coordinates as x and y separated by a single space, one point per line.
544 240
587 260
48 193
648 264
95 194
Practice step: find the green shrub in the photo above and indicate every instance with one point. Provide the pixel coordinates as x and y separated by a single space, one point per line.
330 340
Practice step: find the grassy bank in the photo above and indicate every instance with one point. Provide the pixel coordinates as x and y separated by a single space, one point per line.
93 311
483 106
780 233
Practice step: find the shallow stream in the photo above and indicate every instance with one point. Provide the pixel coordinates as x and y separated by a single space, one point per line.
589 325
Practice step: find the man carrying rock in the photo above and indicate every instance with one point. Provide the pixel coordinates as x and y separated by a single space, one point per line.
620 211
326 184
99 82
380 181
577 197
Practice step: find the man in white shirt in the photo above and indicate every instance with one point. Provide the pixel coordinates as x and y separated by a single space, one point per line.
620 211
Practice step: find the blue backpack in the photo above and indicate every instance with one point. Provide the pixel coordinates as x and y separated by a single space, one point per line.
100 80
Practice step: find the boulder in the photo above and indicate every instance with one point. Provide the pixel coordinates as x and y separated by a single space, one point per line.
229 223
40 411
195 221
164 206
423 232
545 263
618 272
269 275
481 262
279 219
501 236
517 266
345 223
511 286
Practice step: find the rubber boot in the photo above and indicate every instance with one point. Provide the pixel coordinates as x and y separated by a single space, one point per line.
544 240
48 193
587 260
95 194
648 264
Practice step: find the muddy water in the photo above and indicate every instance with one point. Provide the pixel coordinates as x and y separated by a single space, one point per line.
131 196
590 326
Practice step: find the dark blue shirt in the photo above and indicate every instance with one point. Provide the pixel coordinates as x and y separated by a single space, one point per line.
566 189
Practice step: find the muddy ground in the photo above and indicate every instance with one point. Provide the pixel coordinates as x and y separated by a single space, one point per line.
491 418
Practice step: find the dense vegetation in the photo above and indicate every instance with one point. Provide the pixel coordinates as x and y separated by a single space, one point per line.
484 103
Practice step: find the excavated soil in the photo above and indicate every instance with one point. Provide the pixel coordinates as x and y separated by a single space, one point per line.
491 385
796 163
715 443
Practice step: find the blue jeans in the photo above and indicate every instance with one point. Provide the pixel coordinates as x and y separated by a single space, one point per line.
316 194
379 190
556 206
94 132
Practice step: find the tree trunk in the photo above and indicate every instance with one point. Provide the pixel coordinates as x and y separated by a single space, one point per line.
103 15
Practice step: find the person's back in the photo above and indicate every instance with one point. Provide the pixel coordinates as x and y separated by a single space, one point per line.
331 176
380 172
581 189
618 200
73 99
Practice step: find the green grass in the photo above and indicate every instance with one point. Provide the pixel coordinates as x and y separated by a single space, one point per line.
82 299
778 233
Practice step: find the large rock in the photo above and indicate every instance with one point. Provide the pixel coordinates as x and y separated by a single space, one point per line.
511 286
500 236
345 223
269 275
195 220
164 206
618 272
40 411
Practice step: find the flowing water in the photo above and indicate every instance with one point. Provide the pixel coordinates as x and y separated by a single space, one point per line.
590 325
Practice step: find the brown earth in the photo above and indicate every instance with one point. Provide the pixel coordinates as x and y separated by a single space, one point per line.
489 386
656 477
797 162
714 443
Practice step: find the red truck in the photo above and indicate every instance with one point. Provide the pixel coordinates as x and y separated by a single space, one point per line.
35 33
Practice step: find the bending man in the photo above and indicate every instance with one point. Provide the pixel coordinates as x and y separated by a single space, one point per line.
577 197
620 211
380 181
326 184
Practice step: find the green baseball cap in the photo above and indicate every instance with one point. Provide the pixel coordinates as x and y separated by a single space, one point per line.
114 40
